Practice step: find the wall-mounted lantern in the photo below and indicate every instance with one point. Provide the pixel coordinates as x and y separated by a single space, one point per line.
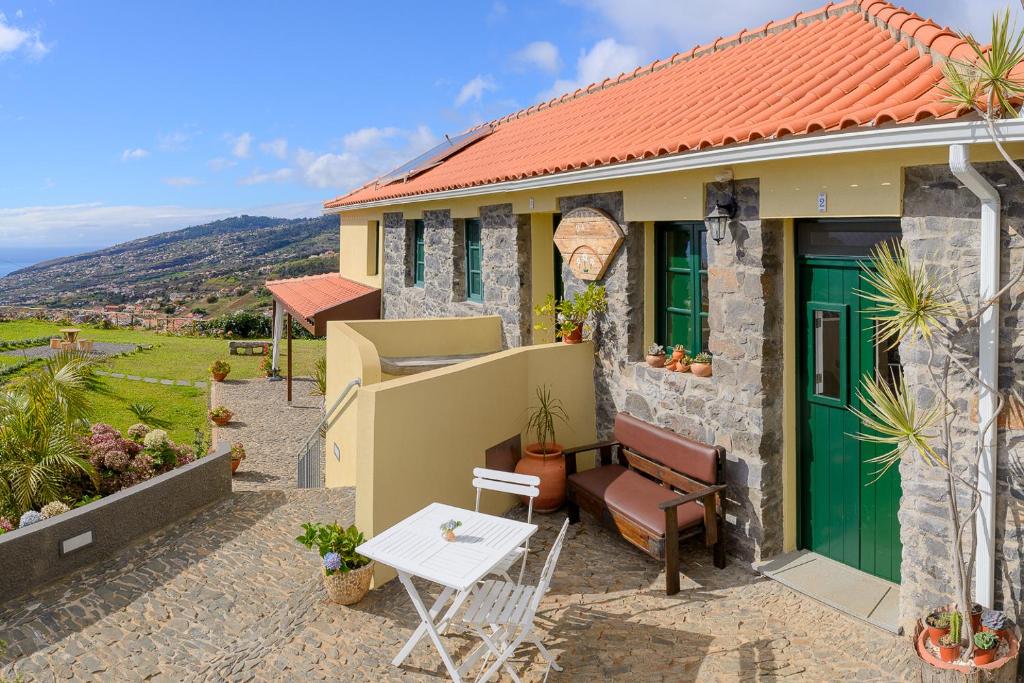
717 221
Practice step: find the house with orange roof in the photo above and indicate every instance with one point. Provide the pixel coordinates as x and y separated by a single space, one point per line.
747 180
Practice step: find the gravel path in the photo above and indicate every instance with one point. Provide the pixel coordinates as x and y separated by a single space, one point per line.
99 349
271 430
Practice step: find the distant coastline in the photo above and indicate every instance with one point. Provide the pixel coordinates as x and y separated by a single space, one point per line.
16 258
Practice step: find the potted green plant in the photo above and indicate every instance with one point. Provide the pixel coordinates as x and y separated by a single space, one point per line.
994 621
346 573
684 364
949 643
701 365
937 624
221 416
448 529
237 456
572 318
219 369
543 458
985 645
655 356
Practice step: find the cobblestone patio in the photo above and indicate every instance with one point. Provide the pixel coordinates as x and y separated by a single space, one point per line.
227 595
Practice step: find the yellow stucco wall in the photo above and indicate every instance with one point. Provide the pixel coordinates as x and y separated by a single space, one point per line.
542 270
357 252
421 436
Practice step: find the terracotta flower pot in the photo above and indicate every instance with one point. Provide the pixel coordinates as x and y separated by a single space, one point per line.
219 376
657 361
574 337
976 618
949 653
701 369
934 633
985 656
550 467
221 421
676 355
235 464
683 367
671 366
350 587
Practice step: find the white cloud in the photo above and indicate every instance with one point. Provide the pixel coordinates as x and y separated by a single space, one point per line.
277 147
241 145
134 153
474 90
606 58
14 39
366 154
93 225
258 178
220 163
181 181
175 141
540 54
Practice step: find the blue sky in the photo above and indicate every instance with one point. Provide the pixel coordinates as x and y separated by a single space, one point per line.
119 119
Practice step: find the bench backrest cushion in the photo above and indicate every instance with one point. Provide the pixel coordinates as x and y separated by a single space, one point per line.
694 459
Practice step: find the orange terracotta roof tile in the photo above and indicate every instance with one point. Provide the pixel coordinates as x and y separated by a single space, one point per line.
856 63
314 294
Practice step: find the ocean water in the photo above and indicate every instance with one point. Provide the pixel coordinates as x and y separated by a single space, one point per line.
15 258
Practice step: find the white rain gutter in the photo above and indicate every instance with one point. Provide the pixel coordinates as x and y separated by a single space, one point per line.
988 367
816 144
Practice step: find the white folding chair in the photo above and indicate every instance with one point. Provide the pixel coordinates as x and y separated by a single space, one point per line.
508 482
502 613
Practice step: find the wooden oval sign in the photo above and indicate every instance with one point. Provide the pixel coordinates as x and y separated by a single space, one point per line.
588 239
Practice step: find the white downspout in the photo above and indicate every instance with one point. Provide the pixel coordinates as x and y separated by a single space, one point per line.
988 367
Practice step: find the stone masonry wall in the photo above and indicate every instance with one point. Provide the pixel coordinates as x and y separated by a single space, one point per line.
505 238
739 407
941 226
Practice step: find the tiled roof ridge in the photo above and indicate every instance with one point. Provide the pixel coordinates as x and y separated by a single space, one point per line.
923 34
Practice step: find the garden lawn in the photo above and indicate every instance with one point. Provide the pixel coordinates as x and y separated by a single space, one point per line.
172 357
179 410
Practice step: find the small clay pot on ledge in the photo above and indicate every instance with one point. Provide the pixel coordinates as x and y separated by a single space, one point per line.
656 360
574 337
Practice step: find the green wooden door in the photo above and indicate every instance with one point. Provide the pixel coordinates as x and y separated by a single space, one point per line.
847 511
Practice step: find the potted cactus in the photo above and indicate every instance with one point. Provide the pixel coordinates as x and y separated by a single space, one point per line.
994 621
219 369
937 624
346 573
949 643
986 643
221 416
701 365
656 356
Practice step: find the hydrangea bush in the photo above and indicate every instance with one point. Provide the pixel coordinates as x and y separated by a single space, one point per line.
53 509
29 518
122 462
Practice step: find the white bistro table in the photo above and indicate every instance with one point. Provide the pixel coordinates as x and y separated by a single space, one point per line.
415 547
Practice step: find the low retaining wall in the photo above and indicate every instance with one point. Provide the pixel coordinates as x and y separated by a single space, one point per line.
58 546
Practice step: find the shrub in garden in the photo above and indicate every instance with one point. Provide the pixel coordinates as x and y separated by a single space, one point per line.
6 525
29 518
137 432
53 509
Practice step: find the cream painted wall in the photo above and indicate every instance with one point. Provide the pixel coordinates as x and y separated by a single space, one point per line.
542 270
356 250
353 351
420 437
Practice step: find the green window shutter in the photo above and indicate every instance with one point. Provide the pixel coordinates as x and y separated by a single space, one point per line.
474 261
419 259
681 299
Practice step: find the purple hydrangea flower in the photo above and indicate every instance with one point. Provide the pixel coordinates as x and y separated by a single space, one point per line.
332 562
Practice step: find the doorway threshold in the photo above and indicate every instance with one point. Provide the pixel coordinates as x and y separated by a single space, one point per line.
844 588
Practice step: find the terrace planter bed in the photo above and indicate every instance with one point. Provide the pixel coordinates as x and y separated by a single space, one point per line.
61 545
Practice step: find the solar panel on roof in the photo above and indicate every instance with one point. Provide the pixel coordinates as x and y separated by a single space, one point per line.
434 156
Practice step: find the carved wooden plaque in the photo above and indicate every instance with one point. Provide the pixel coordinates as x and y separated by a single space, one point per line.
588 239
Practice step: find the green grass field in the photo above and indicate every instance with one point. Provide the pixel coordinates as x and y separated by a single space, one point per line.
182 409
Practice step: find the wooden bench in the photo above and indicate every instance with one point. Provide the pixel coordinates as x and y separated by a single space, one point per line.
662 488
235 346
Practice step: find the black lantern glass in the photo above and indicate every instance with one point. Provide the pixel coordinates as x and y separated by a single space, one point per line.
717 222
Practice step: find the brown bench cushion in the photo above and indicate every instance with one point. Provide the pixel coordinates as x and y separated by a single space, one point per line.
693 458
636 497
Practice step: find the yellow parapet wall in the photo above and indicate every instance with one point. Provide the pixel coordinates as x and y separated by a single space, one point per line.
419 437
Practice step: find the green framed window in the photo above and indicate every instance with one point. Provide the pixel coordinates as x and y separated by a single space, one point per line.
474 261
681 285
418 254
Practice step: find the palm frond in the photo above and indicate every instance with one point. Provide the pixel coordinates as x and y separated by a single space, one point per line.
907 302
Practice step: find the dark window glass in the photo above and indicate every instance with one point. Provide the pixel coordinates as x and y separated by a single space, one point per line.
419 254
474 261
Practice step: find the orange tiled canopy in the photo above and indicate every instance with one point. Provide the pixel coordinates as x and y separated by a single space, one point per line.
308 296
847 64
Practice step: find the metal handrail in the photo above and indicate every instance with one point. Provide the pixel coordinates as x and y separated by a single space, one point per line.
308 471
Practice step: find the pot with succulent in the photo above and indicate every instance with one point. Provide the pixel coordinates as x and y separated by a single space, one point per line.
701 365
346 573
949 642
221 416
543 458
995 621
219 370
986 644
937 624
655 356
573 318
237 456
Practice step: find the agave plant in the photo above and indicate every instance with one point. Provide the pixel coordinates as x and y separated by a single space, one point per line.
42 419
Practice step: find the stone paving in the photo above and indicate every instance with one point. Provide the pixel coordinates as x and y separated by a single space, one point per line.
271 430
99 349
227 595
198 384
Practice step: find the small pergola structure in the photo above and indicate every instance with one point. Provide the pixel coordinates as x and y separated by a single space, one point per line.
313 301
